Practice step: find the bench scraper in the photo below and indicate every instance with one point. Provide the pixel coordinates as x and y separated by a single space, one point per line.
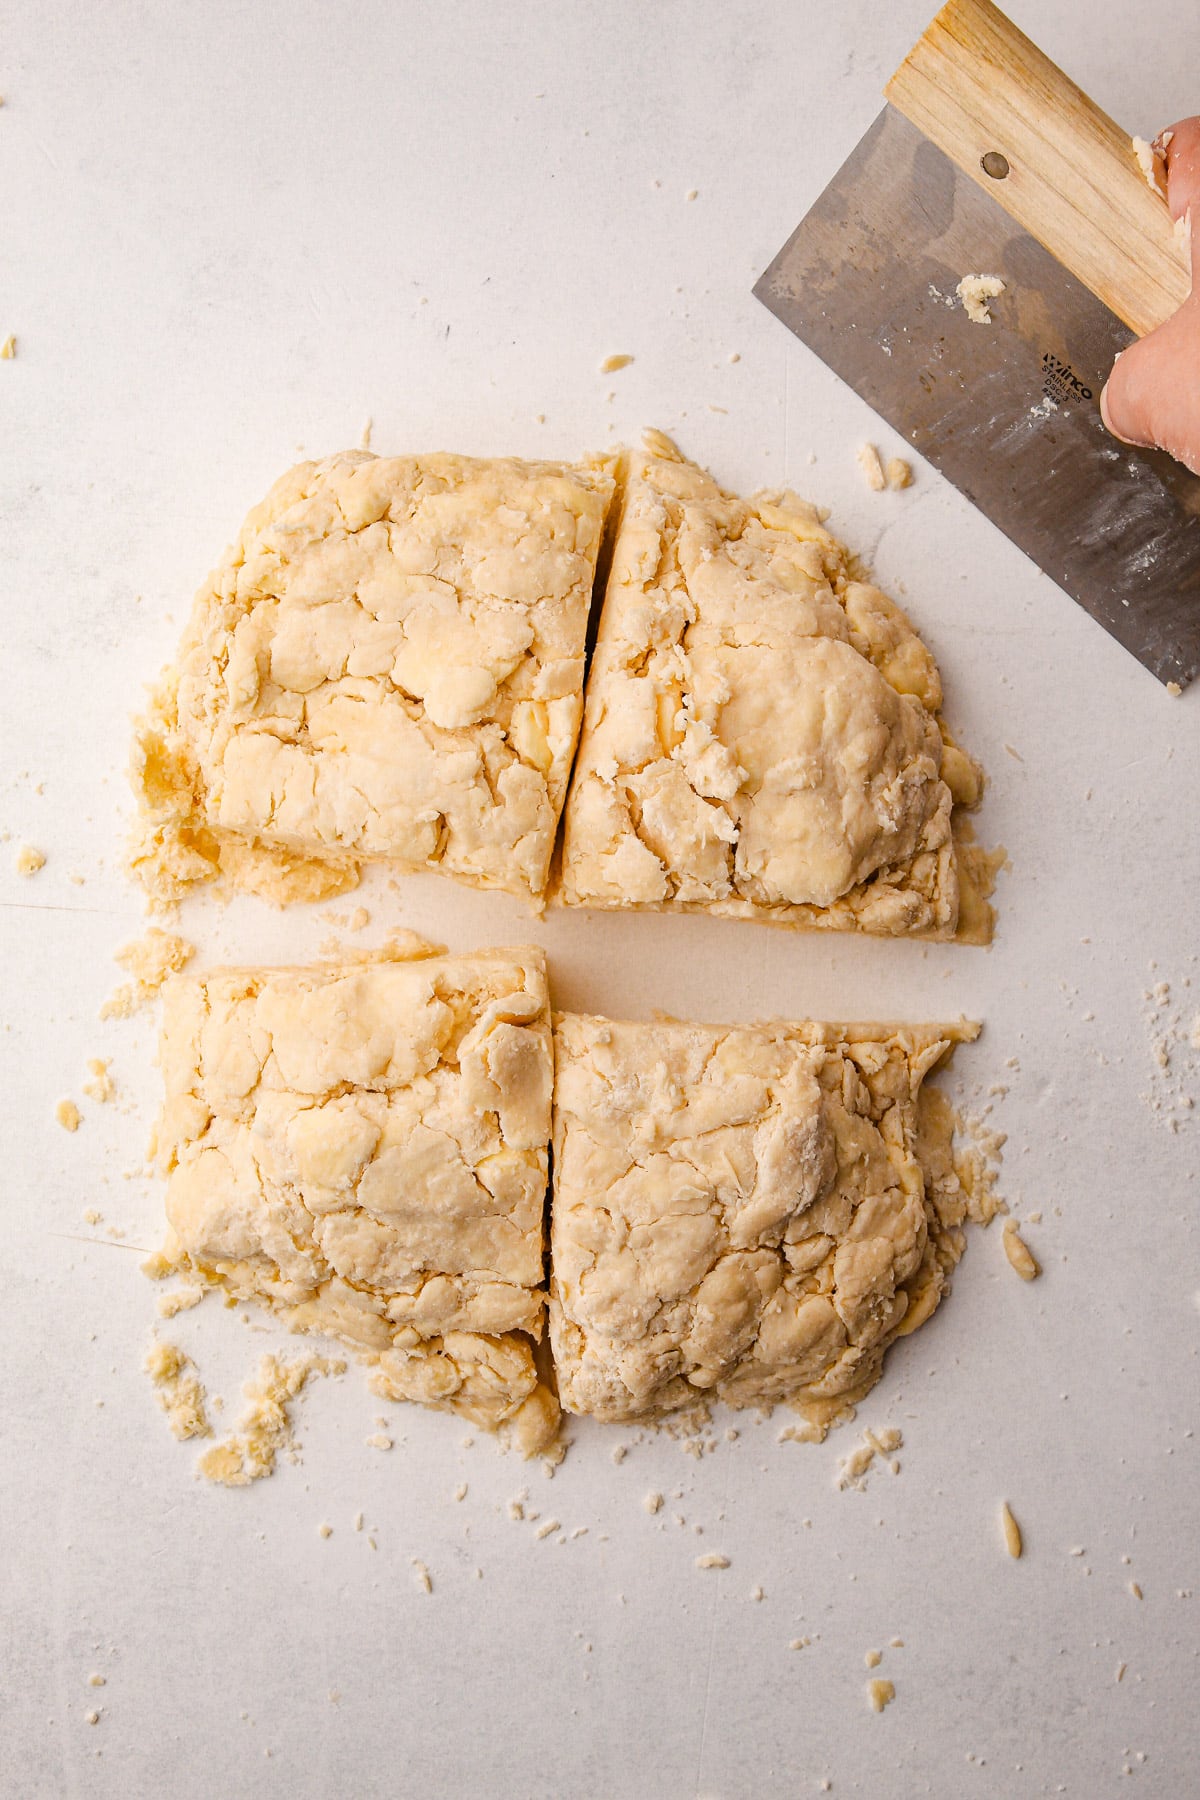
988 160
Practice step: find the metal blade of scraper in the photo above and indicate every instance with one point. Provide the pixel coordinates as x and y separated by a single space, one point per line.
1009 412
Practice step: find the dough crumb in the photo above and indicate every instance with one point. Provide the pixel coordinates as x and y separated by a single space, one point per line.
1135 1590
460 1492
92 1216
653 1503
8 349
178 1300
324 1531
150 960
975 291
853 1469
611 364
68 1115
1151 164
547 1528
100 1086
91 1718
800 1643
30 860
1010 1531
1018 1252
265 1428
179 1389
1172 1040
421 1575
1174 689
364 436
757 1593
659 444
899 472
873 1658
378 1441
97 1681
713 1560
880 1693
872 468
620 1452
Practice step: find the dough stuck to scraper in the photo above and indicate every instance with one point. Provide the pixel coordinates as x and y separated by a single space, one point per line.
975 291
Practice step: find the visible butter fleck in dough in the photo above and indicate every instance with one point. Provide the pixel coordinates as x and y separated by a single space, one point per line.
364 1148
387 666
745 1214
761 735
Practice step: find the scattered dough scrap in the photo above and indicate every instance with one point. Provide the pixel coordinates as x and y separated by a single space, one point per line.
8 349
363 1147
387 666
761 735
150 960
1010 1531
854 1469
30 860
100 1085
745 1214
265 1427
899 472
872 468
880 1693
611 364
975 291
68 1115
179 1389
1018 1252
180 1299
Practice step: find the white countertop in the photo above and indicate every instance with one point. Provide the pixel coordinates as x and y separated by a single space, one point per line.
232 232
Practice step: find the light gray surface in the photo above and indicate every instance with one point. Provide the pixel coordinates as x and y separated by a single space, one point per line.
233 230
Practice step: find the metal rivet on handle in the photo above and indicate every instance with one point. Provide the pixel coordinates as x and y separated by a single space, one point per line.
995 165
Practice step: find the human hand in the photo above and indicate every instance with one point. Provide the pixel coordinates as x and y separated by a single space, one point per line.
1152 397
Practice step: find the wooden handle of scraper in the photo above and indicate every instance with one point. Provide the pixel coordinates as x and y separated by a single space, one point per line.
1006 116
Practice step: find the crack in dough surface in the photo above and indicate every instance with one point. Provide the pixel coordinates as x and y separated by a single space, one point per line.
745 1214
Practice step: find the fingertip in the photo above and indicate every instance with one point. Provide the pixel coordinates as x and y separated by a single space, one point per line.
1107 417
